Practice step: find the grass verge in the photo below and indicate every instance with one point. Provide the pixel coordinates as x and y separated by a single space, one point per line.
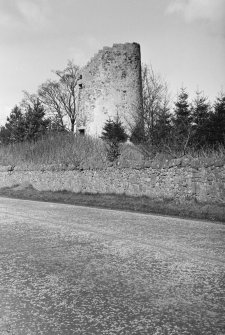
86 152
141 204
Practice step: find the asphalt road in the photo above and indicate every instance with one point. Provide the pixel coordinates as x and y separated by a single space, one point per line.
74 270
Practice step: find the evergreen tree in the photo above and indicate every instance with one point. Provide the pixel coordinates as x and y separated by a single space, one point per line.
217 122
137 134
200 114
182 111
114 134
35 123
22 126
162 127
182 122
113 131
15 125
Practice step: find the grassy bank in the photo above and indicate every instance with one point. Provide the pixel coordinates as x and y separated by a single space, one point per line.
91 153
143 204
58 148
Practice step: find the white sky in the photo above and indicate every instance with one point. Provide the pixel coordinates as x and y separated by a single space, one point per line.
184 40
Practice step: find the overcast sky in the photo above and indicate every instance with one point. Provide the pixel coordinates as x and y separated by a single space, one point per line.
183 40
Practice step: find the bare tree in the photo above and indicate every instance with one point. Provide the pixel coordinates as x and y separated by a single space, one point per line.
151 123
49 93
155 100
61 97
28 100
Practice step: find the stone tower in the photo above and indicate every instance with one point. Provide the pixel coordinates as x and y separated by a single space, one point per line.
110 87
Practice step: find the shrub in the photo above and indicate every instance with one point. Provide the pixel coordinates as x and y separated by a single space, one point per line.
113 134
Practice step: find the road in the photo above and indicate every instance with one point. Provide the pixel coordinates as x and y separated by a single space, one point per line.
75 270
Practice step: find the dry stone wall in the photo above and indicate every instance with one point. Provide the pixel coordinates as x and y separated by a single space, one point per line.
110 86
176 180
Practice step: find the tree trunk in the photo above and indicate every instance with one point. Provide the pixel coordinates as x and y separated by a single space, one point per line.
72 125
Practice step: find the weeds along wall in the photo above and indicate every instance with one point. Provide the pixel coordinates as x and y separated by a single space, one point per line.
110 86
178 180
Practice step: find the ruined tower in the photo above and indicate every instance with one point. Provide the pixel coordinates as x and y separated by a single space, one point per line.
110 86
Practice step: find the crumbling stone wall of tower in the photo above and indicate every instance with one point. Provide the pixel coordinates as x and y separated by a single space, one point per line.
110 86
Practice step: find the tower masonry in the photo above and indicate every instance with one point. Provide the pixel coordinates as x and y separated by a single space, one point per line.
110 86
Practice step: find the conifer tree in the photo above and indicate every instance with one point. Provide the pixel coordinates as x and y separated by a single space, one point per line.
182 122
217 122
138 134
200 114
182 111
15 125
113 131
163 127
35 123
25 125
114 134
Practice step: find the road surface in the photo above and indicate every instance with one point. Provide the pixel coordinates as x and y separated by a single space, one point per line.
75 270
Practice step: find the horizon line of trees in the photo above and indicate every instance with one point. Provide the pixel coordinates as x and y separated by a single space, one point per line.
159 126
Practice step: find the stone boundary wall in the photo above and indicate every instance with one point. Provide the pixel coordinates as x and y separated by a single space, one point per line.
175 180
